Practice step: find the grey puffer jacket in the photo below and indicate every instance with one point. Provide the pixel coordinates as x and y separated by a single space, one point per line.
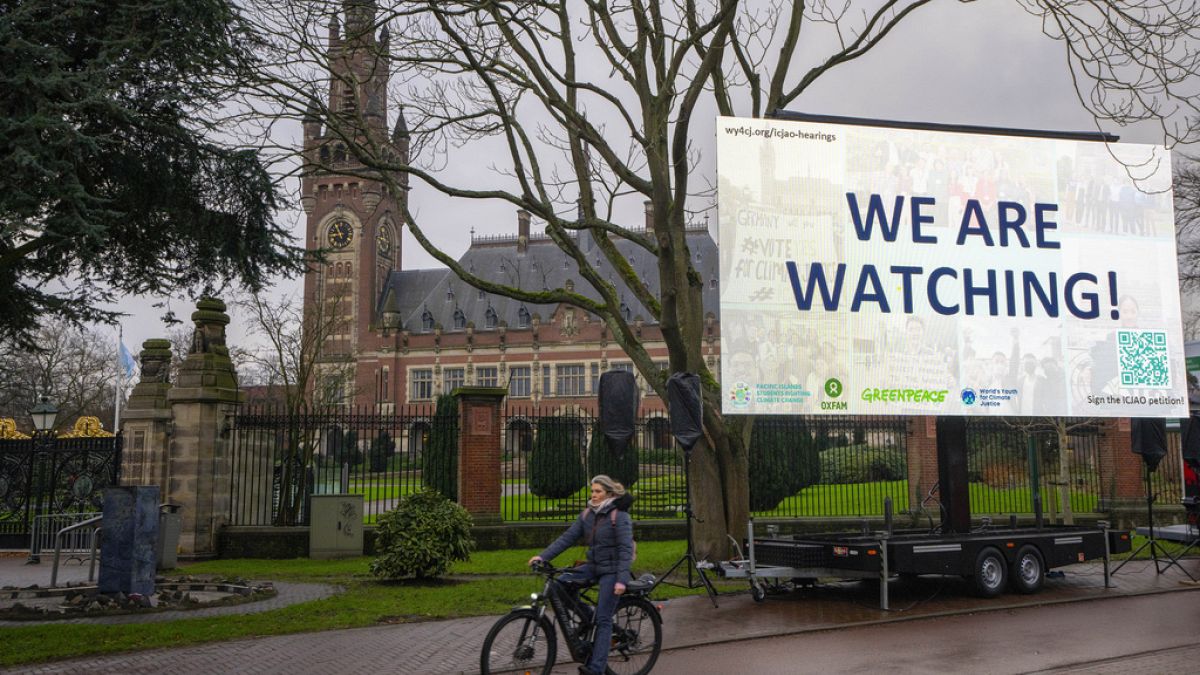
609 539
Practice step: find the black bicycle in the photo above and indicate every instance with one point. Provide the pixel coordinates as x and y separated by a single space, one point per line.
524 640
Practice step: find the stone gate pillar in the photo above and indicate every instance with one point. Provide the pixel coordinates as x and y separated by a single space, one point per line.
480 432
204 398
146 424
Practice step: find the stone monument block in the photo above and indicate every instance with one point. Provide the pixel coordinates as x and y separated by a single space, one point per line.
129 535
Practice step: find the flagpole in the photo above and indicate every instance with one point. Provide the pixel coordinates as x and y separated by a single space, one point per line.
120 379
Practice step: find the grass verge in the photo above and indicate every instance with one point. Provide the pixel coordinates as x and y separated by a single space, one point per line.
492 582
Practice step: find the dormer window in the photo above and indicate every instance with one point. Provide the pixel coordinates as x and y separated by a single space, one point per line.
522 317
489 318
626 312
460 320
427 320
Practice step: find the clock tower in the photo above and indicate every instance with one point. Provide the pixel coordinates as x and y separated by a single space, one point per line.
354 219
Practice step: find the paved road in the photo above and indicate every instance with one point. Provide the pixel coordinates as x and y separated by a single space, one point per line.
1148 634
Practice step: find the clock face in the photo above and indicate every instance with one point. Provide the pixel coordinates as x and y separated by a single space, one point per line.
340 234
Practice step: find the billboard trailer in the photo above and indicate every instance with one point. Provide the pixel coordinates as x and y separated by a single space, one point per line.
875 267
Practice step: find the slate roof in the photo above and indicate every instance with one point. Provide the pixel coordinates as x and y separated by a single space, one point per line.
542 266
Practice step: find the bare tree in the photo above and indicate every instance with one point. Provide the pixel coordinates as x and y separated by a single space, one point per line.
1187 235
582 106
301 358
76 369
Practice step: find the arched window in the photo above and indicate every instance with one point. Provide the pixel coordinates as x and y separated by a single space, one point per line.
626 312
489 318
460 320
522 317
324 154
339 153
427 320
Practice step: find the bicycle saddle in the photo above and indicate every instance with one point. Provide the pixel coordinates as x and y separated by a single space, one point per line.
641 584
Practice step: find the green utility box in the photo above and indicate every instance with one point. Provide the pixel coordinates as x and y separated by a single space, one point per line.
336 529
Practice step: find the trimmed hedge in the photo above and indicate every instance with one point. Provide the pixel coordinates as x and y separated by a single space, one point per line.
555 469
439 461
784 459
862 464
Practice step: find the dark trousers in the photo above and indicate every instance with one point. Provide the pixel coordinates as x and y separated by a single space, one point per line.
606 605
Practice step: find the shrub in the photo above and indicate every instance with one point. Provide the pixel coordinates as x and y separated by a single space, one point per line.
601 459
421 537
784 459
439 462
862 464
555 468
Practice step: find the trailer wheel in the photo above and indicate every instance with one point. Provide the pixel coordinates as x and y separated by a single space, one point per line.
991 572
1028 570
758 592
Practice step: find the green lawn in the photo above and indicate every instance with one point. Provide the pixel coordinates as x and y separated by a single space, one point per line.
492 582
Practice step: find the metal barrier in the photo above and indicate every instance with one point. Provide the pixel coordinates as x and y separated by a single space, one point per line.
95 539
46 528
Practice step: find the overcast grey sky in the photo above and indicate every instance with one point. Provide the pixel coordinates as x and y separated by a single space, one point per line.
982 63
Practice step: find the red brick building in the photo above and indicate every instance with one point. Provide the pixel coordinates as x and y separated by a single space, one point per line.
411 335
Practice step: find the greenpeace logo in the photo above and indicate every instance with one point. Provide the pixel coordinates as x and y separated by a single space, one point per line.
904 395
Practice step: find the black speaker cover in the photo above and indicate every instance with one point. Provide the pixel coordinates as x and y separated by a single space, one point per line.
1150 439
1191 440
684 406
618 409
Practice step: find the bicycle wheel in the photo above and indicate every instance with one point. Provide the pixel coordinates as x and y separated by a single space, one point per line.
519 643
637 637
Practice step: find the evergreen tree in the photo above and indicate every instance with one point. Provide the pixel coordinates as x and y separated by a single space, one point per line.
555 468
381 451
112 179
439 462
784 460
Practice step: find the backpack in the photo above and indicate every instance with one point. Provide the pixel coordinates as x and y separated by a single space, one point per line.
612 517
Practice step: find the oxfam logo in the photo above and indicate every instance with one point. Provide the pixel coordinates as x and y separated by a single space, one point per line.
968 396
833 387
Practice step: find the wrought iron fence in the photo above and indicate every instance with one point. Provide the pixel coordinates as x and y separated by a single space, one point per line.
818 466
851 464
1006 459
827 466
52 475
280 458
548 456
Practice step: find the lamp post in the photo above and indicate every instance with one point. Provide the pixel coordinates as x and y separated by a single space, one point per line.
43 415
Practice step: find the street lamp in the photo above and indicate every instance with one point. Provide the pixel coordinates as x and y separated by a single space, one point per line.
43 415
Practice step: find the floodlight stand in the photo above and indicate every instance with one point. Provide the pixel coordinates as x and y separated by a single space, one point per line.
1162 560
689 557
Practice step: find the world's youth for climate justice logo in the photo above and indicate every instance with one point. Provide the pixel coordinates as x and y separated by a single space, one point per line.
968 396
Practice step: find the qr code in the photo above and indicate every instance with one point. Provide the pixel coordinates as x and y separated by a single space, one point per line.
1143 358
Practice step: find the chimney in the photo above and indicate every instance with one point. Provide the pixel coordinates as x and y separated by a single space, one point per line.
522 230
649 215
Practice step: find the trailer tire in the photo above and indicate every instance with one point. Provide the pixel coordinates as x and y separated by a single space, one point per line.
758 592
1028 570
991 573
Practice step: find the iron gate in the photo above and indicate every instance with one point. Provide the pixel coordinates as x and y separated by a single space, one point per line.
50 476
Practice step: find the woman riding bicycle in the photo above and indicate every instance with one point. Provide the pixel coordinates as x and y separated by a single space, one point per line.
607 529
